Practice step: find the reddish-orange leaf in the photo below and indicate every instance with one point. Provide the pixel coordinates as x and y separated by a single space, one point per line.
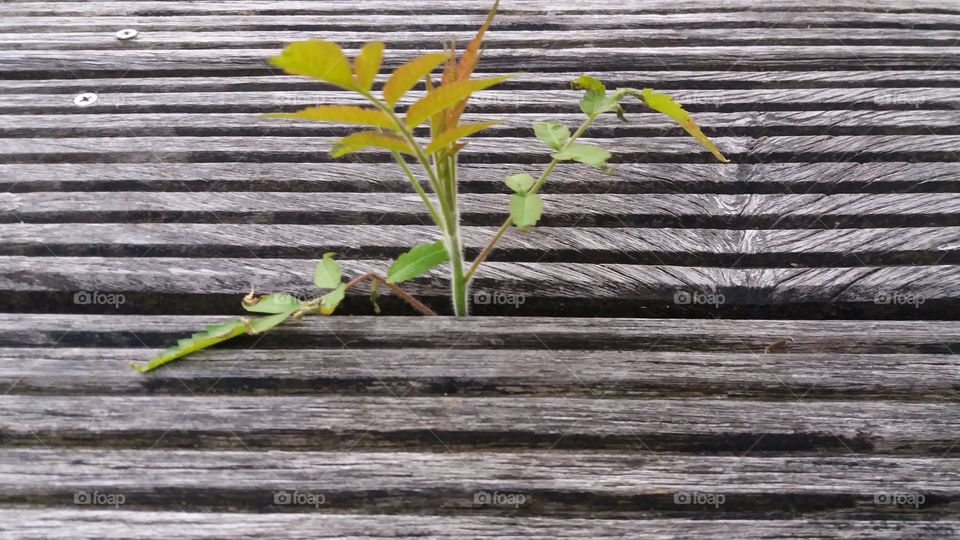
468 62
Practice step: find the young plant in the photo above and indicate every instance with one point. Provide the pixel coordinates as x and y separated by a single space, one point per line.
385 128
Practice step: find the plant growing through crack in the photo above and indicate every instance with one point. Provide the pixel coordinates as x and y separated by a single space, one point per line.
440 108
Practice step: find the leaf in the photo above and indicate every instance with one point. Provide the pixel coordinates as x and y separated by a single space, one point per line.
525 209
417 261
468 62
364 139
317 59
272 303
590 154
347 114
262 324
327 275
367 64
406 76
520 183
553 134
330 301
665 104
446 95
593 102
450 136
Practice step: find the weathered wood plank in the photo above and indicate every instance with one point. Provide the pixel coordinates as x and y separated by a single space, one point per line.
612 210
71 524
796 178
488 372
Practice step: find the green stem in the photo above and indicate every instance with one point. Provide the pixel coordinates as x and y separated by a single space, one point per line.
423 194
458 281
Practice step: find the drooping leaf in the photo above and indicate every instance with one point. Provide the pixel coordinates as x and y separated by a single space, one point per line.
365 139
553 133
328 274
450 136
272 303
590 154
367 64
317 59
525 209
417 261
594 99
520 183
330 301
445 96
665 104
347 114
406 76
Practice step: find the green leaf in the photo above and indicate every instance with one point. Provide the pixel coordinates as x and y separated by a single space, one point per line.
447 95
417 261
520 183
327 274
272 303
408 75
332 299
365 139
317 59
553 134
664 104
525 209
367 64
594 101
262 324
590 154
347 114
451 136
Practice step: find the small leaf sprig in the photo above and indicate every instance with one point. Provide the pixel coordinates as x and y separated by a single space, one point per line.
440 108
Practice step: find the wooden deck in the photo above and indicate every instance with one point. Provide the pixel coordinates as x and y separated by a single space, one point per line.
822 384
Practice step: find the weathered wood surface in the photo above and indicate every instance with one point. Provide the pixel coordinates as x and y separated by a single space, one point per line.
841 203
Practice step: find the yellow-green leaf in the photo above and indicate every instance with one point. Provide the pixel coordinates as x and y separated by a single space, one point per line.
327 274
272 303
552 133
446 96
408 75
665 104
365 139
417 261
520 183
463 130
332 299
367 63
317 59
347 114
590 154
525 209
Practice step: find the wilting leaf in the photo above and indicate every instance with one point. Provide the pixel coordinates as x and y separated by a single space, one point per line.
347 114
520 183
417 261
445 96
590 154
366 139
665 104
367 63
406 76
332 299
525 210
272 303
553 134
327 275
450 136
317 59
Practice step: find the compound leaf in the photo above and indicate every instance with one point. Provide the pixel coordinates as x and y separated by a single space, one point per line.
272 303
327 275
448 137
365 139
347 114
553 133
520 183
367 64
446 96
406 76
590 154
317 59
418 260
525 209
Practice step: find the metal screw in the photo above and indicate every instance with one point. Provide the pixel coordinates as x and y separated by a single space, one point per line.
85 100
127 33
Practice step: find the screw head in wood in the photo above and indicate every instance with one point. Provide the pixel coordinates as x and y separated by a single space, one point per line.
85 99
127 33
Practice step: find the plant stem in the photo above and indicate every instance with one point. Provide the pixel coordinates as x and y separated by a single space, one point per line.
407 297
423 194
458 281
533 189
